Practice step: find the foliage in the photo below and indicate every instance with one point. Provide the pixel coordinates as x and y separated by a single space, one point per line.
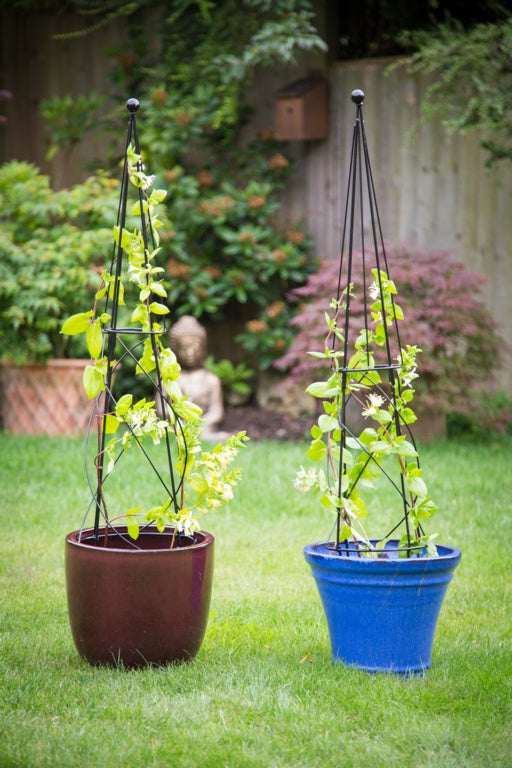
235 379
354 461
461 349
225 250
69 119
472 71
50 243
375 27
492 416
199 481
224 245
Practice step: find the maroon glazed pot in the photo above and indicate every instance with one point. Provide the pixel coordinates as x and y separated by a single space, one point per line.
138 606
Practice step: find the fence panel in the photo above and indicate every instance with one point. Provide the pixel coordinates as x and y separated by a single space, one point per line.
433 189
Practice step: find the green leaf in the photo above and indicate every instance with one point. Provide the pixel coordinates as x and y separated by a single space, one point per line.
407 395
93 381
368 436
146 362
157 196
111 424
345 533
158 289
327 423
426 508
94 339
371 377
399 314
416 486
158 309
132 525
125 237
198 483
139 314
317 450
327 501
160 524
381 447
77 323
355 360
405 448
123 404
407 415
322 389
358 506
136 208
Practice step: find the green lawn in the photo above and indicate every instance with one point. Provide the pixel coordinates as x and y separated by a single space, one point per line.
263 691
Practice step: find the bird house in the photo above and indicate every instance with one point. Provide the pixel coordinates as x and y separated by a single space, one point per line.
301 110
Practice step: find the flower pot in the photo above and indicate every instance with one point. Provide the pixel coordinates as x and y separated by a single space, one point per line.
45 399
138 606
381 612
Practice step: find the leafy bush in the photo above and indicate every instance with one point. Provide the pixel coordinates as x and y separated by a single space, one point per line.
480 98
225 250
494 411
461 348
223 247
236 387
49 244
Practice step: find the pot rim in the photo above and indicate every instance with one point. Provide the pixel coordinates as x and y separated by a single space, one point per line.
80 539
51 362
322 550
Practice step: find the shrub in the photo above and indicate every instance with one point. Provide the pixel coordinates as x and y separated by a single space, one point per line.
225 248
50 243
457 335
228 257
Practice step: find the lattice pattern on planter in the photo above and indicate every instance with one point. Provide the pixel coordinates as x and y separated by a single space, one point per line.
45 399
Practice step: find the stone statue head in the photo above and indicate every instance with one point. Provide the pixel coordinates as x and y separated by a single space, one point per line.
188 342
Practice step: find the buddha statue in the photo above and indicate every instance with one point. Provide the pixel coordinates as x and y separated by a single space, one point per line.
188 342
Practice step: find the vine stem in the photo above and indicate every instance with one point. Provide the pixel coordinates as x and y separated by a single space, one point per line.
393 443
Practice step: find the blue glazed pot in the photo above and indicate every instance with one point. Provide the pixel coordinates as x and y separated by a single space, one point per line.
381 612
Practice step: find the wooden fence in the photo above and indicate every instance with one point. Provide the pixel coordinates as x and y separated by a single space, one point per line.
35 65
433 189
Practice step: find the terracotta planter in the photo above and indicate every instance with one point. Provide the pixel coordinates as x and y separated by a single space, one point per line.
138 606
47 399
